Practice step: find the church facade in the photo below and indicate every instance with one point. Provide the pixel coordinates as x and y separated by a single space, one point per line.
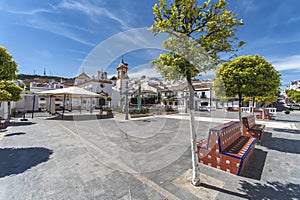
101 84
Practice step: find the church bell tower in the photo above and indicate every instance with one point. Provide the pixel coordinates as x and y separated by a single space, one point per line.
122 76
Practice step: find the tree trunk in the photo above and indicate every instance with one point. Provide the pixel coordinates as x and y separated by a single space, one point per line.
240 109
196 174
253 99
8 110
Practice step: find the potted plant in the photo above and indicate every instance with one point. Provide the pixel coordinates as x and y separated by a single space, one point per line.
108 98
287 111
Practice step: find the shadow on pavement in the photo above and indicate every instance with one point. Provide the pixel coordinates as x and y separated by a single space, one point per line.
211 187
14 134
270 190
20 123
255 165
16 161
293 131
283 145
80 117
285 120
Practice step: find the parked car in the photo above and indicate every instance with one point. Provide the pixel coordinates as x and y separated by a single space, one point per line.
295 107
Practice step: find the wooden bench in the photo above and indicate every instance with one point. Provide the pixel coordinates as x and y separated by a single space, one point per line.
267 115
232 109
251 129
263 114
226 149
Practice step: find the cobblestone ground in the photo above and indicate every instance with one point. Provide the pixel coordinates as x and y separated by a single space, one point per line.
141 159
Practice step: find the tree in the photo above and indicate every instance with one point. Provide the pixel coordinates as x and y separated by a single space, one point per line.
108 98
8 68
293 95
197 34
164 100
249 76
11 92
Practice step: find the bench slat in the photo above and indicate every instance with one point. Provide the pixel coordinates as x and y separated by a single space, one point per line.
236 146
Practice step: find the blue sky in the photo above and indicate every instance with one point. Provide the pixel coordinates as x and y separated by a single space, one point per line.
59 35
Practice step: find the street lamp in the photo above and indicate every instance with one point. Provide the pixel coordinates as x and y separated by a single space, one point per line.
126 101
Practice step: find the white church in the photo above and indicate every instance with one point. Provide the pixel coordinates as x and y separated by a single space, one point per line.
102 85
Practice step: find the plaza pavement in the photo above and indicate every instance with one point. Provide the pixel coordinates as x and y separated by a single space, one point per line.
149 158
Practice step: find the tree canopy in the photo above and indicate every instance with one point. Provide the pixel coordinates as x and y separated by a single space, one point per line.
8 69
255 76
9 91
293 95
210 25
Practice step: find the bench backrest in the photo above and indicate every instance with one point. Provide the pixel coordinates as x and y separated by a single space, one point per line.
249 120
227 134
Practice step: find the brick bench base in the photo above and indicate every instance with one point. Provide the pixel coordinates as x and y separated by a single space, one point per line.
226 149
3 124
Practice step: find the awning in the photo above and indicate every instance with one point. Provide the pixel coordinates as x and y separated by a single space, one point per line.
69 92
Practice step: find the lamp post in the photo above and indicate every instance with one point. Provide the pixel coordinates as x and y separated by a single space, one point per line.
126 101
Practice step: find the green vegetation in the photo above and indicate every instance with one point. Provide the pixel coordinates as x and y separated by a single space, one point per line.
29 78
252 75
142 111
9 91
108 98
169 109
293 95
248 76
8 69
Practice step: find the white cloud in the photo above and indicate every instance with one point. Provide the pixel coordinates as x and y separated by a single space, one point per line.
55 28
34 20
77 51
249 6
93 11
121 44
44 54
287 63
31 12
142 70
293 19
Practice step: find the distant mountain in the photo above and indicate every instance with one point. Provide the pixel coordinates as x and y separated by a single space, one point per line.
30 78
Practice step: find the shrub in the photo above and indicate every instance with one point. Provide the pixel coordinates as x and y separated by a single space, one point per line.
169 109
142 111
287 111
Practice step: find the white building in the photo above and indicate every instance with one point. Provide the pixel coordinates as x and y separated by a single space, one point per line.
99 84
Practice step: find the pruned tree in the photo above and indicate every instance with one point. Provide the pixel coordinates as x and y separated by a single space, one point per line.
8 69
197 34
11 92
293 95
249 76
